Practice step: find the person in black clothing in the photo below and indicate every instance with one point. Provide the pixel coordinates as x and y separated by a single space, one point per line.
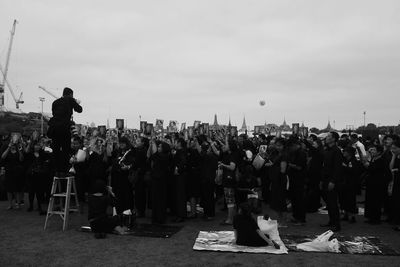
394 185
332 176
297 163
141 168
122 160
351 173
247 232
375 185
97 164
208 167
179 179
193 175
160 158
37 174
314 173
98 202
60 128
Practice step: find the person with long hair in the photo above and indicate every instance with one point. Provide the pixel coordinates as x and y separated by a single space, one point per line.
374 184
277 173
121 164
13 158
160 160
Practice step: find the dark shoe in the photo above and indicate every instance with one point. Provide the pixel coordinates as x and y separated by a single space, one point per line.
336 229
326 225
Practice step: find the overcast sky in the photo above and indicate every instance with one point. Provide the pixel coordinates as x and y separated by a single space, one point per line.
186 60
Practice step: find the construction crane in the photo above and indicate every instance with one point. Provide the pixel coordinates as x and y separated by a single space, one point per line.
19 100
6 66
47 91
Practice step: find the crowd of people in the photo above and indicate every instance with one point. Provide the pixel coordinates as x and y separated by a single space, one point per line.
166 173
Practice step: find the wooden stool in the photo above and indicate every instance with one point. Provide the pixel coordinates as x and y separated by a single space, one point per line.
65 198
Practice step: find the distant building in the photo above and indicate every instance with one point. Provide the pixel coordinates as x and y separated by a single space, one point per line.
285 127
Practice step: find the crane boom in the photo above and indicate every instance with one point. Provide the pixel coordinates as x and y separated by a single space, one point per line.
17 100
6 66
9 52
47 91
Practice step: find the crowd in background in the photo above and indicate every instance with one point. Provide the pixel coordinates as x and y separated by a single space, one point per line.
169 172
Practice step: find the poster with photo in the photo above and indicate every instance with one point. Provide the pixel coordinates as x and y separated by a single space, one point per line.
159 125
149 129
234 131
119 124
84 130
183 126
190 132
296 128
201 129
173 126
102 131
196 125
257 129
143 126
206 127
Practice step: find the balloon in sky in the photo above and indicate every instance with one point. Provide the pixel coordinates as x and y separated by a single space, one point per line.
262 102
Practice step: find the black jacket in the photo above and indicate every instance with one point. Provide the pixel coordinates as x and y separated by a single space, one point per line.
62 109
333 165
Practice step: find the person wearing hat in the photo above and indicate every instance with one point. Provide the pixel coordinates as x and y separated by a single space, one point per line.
60 128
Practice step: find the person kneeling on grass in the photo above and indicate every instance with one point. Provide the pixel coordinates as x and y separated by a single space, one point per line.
247 232
100 222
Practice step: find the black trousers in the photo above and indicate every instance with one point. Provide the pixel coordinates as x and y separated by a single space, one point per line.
142 194
180 195
36 188
123 190
61 145
208 199
159 199
332 202
298 199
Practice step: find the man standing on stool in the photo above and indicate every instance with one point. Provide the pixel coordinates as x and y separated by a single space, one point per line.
60 128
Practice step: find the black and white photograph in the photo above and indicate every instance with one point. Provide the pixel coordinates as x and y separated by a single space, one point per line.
200 133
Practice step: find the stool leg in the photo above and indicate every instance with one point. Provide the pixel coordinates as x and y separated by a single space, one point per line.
76 194
51 202
67 203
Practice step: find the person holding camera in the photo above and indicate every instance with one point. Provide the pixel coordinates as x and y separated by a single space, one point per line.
60 128
13 158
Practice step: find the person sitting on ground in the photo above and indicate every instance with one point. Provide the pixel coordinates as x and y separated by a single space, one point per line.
247 232
98 202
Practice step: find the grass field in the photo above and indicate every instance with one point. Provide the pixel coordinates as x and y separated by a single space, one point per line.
23 242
